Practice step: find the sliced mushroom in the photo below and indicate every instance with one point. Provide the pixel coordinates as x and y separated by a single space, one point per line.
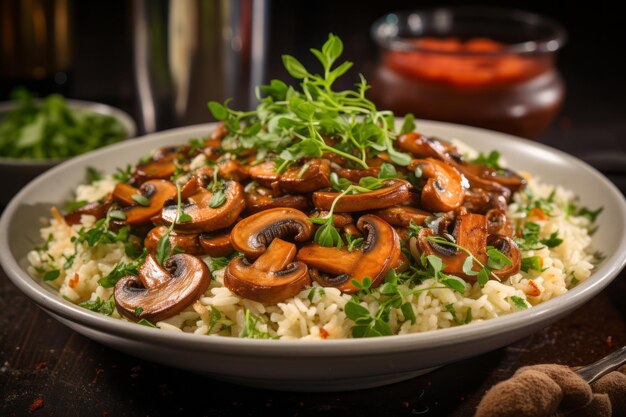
339 219
160 292
312 176
228 169
186 243
216 244
212 244
392 193
96 208
498 223
443 190
355 175
272 278
424 147
488 184
504 177
205 218
160 166
403 215
470 232
123 194
378 254
253 234
157 192
264 173
261 198
509 248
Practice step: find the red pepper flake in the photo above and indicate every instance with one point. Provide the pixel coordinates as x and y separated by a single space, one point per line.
35 405
609 341
405 404
98 372
41 365
74 281
535 291
323 333
105 414
537 213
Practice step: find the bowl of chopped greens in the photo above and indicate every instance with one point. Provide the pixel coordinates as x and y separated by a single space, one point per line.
37 134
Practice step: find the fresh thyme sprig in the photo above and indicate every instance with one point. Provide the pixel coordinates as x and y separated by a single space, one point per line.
294 124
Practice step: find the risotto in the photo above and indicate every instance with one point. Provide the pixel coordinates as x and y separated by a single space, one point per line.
314 216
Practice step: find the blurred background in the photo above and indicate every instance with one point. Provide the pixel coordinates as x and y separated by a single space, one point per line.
114 52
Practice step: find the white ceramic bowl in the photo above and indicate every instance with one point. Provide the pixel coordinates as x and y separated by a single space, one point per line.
21 171
315 365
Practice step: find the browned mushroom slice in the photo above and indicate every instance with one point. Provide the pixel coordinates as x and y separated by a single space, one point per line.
231 170
504 177
123 194
186 243
162 292
161 166
470 232
424 147
312 176
476 181
272 278
261 198
339 219
203 217
509 248
402 215
96 208
264 173
378 254
216 244
254 233
498 223
355 175
157 192
392 193
443 190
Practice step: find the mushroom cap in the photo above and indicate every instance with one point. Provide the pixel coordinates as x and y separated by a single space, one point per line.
509 248
160 166
403 216
393 192
272 278
205 218
187 243
264 173
297 179
424 147
160 292
378 254
216 244
443 190
253 234
257 201
157 192
123 194
470 232
97 209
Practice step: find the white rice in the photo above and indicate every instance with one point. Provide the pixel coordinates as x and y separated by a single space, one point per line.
318 313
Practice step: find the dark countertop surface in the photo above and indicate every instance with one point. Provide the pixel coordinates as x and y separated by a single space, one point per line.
47 369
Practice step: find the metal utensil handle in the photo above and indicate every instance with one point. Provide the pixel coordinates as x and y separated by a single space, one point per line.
592 372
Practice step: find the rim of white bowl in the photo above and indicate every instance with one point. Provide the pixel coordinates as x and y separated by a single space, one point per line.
45 298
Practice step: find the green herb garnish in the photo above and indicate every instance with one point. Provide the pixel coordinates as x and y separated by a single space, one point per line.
51 129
